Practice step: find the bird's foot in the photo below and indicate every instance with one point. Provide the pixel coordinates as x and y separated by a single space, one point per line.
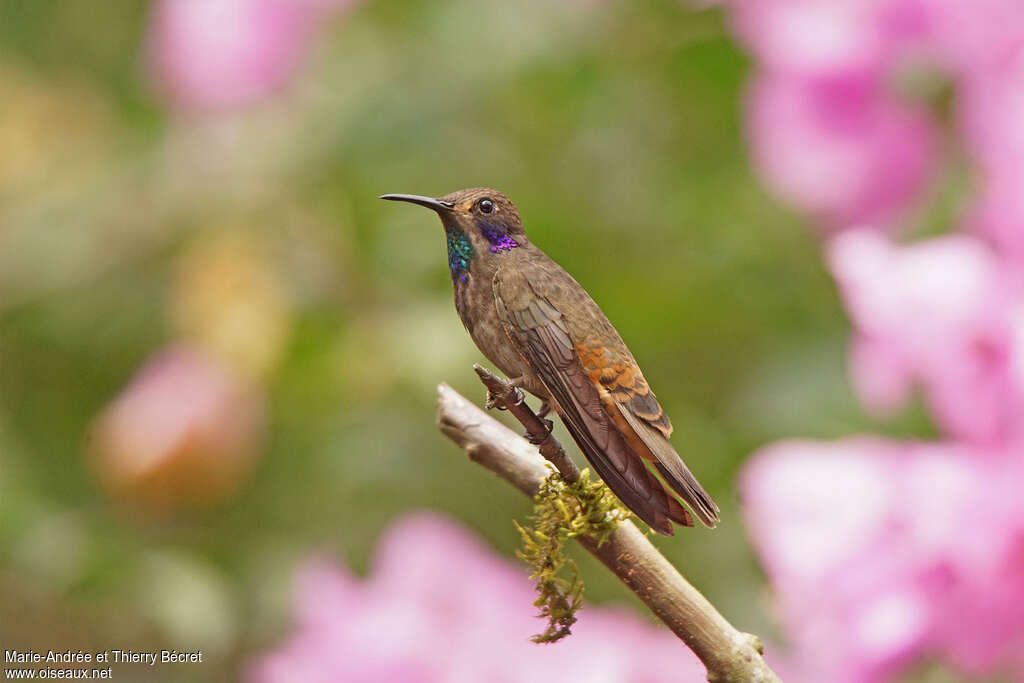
542 412
548 426
495 401
517 387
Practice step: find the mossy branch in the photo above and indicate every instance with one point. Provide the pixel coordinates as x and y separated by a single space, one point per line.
562 511
730 656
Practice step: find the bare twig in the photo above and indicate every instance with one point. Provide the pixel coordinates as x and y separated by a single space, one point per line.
730 656
504 396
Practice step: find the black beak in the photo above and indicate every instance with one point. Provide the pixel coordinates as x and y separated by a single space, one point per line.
435 204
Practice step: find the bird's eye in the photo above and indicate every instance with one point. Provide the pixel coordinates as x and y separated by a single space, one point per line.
485 205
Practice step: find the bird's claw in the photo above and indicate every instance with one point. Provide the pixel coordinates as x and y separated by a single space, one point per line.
548 426
545 408
494 401
518 396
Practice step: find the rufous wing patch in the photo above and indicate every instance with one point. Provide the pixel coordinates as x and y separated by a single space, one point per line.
619 375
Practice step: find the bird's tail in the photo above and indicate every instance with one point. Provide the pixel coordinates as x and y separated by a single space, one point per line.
652 446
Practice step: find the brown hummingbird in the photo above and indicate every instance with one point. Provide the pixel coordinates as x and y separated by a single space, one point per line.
542 329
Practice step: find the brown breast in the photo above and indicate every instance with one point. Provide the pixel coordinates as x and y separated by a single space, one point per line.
474 301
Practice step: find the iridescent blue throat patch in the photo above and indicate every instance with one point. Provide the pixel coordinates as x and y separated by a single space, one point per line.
460 253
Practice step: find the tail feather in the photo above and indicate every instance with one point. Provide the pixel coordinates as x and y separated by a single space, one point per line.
635 485
694 495
652 445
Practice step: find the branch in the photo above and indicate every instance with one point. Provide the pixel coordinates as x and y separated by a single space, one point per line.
729 655
504 396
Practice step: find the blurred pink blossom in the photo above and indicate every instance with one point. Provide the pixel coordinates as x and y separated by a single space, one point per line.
440 606
828 132
832 133
221 54
882 552
186 430
997 213
838 147
941 312
811 38
974 37
991 112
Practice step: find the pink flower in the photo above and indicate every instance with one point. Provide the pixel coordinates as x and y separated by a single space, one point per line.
186 430
830 132
818 37
997 213
941 312
991 111
221 54
809 38
838 147
439 606
977 36
883 552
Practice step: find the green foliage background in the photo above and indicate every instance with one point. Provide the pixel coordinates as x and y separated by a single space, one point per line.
616 127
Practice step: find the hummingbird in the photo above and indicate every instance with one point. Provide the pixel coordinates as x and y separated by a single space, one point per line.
531 318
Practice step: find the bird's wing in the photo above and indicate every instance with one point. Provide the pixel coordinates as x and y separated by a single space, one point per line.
541 335
626 395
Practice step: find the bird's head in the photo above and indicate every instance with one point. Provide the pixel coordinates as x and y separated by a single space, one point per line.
480 224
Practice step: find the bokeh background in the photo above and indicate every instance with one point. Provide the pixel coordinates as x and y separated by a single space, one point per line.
219 351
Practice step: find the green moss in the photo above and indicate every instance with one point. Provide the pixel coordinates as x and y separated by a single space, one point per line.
562 511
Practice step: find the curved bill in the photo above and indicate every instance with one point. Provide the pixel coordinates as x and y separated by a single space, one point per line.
435 204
